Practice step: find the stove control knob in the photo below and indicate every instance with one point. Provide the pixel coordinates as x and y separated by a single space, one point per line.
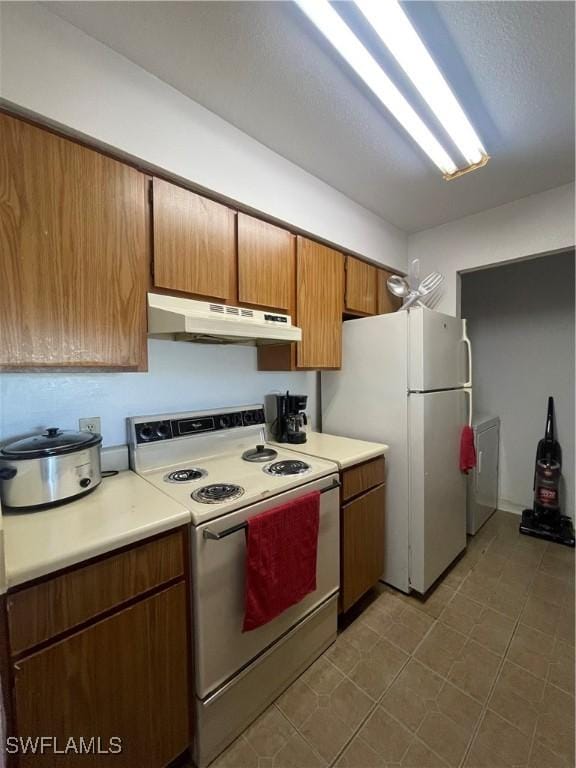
145 433
225 421
163 430
248 417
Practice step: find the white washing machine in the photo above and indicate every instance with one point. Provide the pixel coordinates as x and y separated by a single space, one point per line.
483 480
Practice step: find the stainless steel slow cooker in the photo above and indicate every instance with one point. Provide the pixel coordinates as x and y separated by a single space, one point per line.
49 468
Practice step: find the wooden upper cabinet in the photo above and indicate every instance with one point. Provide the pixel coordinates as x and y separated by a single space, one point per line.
319 299
361 287
74 254
266 265
194 243
386 302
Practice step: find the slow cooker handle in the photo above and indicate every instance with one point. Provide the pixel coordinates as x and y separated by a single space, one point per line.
7 473
52 432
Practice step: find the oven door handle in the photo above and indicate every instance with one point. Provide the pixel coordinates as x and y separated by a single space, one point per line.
208 534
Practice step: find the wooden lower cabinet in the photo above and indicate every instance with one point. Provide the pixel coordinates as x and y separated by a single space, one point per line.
121 679
362 477
362 545
124 677
59 604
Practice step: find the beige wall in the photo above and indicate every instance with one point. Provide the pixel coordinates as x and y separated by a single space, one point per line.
537 224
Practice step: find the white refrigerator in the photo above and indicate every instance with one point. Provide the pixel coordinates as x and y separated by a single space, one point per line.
406 381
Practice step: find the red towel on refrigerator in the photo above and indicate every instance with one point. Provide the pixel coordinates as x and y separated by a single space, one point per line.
467 450
282 547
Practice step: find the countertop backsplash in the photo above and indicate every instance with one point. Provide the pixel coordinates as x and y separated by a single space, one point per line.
181 377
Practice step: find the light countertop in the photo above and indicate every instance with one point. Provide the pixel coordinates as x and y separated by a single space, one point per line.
344 451
123 509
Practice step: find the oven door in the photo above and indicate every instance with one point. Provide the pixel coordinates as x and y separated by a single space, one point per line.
221 648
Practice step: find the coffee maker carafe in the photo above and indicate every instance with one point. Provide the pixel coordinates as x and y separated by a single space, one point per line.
291 418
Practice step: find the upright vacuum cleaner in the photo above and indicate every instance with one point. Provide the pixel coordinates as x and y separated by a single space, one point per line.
545 519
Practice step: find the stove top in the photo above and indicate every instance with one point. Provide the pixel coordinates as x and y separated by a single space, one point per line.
217 493
197 459
186 475
287 467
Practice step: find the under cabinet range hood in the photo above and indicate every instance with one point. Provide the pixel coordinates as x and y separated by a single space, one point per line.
177 319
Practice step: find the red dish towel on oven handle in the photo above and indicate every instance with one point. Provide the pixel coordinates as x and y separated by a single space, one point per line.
281 554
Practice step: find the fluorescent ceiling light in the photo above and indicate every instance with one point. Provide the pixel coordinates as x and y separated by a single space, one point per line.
347 44
394 28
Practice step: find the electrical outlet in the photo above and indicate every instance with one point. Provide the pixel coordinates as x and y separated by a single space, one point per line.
90 425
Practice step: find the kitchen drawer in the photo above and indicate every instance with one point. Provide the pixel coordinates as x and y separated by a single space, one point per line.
362 477
48 608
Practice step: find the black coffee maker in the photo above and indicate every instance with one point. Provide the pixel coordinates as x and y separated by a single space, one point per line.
291 418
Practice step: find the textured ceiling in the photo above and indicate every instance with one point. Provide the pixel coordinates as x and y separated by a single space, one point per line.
262 67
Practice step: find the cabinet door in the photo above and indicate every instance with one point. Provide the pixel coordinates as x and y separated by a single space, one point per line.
74 248
361 287
362 543
126 676
319 301
386 302
194 243
266 265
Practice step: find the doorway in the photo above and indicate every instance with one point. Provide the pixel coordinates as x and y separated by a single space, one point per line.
521 325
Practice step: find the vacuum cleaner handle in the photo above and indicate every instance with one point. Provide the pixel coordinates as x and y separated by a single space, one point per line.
549 433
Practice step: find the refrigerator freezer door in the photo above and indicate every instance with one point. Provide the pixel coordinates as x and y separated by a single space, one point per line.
438 354
437 488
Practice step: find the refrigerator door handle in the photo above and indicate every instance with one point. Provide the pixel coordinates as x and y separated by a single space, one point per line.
468 391
466 341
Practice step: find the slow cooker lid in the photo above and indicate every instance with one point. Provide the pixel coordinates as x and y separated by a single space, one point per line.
51 442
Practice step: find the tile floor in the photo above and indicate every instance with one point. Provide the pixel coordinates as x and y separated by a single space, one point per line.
478 674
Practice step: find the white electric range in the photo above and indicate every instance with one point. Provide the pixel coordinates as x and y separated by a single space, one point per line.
218 464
